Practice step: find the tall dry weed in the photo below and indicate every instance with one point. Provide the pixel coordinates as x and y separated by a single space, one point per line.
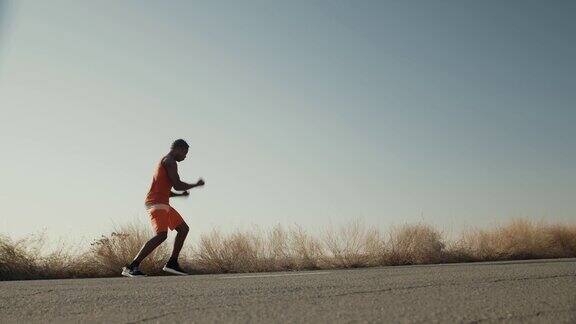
414 244
307 251
256 251
279 253
292 248
28 259
237 252
518 239
353 245
16 261
561 241
111 252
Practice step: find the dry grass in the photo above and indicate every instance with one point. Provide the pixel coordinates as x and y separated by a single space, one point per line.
16 260
414 244
237 252
110 253
257 251
352 245
24 259
519 239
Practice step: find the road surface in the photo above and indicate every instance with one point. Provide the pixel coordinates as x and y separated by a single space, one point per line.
521 291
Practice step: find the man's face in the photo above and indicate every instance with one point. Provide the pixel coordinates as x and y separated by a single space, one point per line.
180 154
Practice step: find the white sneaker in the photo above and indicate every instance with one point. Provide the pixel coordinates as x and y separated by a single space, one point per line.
174 269
132 273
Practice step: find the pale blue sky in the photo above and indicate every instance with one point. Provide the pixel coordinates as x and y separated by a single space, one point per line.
457 113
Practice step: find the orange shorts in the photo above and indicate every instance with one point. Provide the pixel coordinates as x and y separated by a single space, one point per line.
164 217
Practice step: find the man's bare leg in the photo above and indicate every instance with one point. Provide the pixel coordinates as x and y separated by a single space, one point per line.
152 244
182 232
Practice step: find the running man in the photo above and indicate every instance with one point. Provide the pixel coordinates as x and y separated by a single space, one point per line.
162 215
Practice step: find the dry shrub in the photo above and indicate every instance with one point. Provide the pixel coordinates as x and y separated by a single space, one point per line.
237 252
307 251
256 251
16 261
414 244
518 239
521 239
474 245
279 254
64 262
375 248
353 245
27 259
110 253
561 241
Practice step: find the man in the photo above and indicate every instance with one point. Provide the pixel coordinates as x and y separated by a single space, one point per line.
162 215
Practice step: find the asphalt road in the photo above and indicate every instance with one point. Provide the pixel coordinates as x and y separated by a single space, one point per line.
523 291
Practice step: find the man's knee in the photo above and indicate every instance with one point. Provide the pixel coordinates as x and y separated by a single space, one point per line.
183 229
162 236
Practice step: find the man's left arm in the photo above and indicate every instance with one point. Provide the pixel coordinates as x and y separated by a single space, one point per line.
175 194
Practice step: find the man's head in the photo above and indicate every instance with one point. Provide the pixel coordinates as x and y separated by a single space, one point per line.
179 149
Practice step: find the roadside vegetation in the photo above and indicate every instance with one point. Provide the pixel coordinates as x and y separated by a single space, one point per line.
290 248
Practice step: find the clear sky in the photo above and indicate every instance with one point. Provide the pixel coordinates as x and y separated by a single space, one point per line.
457 113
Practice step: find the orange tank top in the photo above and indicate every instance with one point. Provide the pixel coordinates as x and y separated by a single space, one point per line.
160 188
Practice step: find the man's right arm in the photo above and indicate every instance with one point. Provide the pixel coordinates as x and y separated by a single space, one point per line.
172 170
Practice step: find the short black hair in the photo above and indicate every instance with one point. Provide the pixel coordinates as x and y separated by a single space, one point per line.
180 143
